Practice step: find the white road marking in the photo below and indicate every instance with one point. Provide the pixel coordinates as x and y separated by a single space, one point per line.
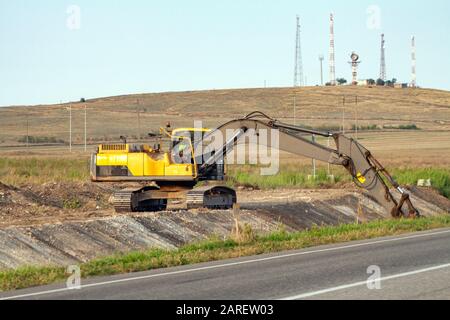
401 238
362 283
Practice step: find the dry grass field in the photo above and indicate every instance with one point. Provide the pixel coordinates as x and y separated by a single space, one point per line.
384 110
319 107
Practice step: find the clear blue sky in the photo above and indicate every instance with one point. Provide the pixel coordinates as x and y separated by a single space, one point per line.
137 46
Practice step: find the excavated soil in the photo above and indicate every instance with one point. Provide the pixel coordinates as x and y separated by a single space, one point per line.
53 203
66 223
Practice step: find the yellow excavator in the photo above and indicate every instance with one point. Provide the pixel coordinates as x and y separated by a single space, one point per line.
177 172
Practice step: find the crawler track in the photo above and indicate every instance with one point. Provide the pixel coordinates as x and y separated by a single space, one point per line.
123 200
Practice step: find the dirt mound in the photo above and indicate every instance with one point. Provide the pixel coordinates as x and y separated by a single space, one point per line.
431 196
85 196
59 202
52 202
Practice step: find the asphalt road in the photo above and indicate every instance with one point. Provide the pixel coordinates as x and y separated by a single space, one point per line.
414 266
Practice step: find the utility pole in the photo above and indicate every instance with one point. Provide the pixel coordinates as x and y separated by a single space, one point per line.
343 115
295 109
70 127
139 123
356 118
138 119
314 160
27 132
321 58
85 128
329 166
28 135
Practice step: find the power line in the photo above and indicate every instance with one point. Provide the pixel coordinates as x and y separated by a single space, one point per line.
321 58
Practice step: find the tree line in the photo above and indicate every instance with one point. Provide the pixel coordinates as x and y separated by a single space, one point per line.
370 82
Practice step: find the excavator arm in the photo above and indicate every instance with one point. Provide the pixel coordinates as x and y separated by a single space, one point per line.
365 170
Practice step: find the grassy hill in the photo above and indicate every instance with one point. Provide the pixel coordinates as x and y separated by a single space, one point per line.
315 106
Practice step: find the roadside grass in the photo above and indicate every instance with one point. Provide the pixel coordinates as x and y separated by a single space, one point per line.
440 178
289 176
296 176
216 249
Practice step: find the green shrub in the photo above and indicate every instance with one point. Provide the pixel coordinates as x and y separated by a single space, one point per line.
37 140
72 203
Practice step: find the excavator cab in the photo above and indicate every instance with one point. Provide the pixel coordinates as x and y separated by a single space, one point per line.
183 142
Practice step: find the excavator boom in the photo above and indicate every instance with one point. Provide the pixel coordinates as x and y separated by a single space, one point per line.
365 170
